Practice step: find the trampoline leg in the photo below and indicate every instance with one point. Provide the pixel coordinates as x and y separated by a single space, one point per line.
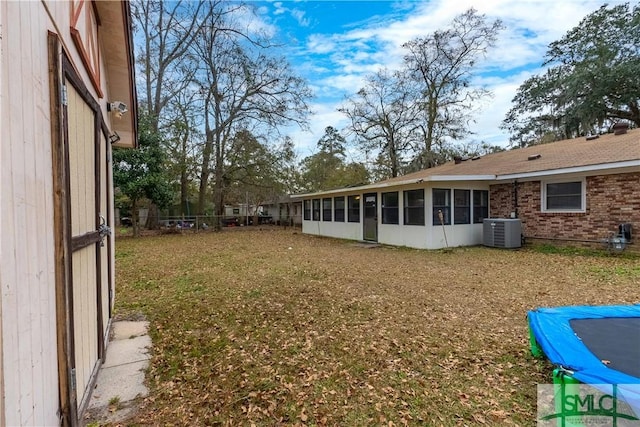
563 385
536 351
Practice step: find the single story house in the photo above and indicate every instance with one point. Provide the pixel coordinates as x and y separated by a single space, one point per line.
67 95
285 210
576 190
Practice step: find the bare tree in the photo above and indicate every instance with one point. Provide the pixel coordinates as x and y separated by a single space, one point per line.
384 118
243 87
182 141
442 64
167 31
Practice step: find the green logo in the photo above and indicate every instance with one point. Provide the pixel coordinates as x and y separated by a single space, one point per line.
573 405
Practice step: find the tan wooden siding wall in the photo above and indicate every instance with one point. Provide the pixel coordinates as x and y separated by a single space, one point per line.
28 330
30 383
82 185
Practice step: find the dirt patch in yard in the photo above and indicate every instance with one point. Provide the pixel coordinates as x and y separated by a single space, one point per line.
267 327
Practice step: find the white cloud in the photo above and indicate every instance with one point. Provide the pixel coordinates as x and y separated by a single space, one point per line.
252 20
278 8
319 44
299 16
344 83
347 57
492 111
325 115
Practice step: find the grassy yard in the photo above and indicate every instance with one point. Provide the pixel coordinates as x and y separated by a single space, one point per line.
272 327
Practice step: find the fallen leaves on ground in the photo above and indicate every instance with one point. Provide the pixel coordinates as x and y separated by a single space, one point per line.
247 331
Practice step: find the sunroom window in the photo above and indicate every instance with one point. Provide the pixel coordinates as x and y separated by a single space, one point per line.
390 208
462 206
338 209
353 203
414 207
326 209
316 209
480 206
307 210
441 202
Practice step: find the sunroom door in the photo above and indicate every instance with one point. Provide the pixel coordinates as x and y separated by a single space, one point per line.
370 220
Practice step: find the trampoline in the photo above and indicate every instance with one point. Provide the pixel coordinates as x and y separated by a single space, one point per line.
594 345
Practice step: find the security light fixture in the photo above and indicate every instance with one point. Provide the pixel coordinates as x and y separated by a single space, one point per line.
118 108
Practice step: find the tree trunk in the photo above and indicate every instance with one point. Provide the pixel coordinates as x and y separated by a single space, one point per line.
204 179
184 179
206 159
393 156
218 186
184 192
152 217
134 217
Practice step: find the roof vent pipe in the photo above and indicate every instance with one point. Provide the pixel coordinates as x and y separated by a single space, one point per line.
620 128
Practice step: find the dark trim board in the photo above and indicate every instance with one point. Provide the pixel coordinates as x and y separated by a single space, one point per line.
84 240
62 229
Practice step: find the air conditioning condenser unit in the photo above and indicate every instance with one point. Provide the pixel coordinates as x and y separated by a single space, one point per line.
502 232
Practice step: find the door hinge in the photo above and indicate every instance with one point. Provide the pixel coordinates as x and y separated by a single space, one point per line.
73 379
65 99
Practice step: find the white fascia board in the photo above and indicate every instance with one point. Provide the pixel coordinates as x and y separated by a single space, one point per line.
326 193
432 178
576 170
356 189
440 178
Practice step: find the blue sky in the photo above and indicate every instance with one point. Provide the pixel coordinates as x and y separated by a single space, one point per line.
335 44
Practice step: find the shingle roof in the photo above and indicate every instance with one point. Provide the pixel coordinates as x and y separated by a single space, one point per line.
606 151
569 153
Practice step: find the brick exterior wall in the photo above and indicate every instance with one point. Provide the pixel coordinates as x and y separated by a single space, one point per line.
611 200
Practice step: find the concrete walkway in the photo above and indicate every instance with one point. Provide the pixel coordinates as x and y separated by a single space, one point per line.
121 379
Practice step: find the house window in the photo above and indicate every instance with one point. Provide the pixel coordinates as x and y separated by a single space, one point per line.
338 209
462 206
307 210
316 209
480 205
353 203
390 213
326 209
414 207
564 196
441 202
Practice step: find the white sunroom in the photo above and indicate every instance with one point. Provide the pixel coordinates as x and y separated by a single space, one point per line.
403 211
